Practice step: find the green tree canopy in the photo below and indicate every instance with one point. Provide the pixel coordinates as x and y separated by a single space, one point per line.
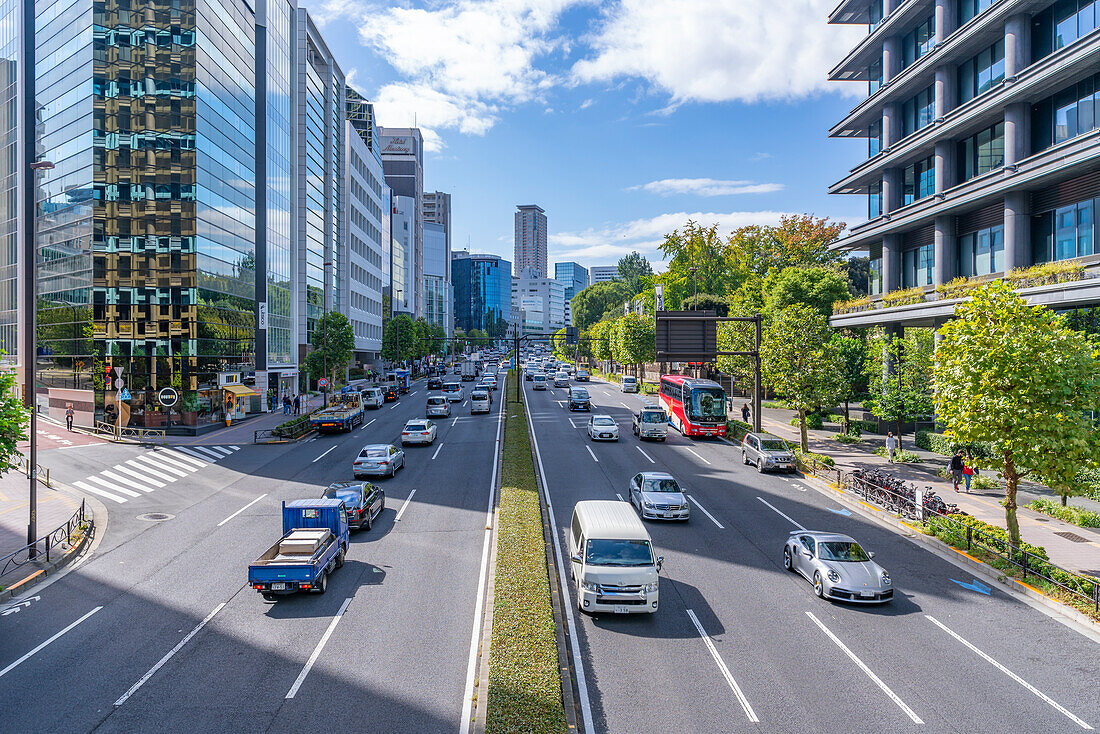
599 338
899 372
858 270
699 247
14 419
593 302
816 286
635 272
333 344
798 240
400 330
851 355
1019 378
633 340
707 302
798 361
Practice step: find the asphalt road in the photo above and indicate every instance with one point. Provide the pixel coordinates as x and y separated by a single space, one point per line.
159 631
939 658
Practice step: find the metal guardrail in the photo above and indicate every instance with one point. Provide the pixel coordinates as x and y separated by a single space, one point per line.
23 464
279 434
64 536
145 435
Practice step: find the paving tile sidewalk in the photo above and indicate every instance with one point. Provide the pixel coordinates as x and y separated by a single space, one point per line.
54 509
985 505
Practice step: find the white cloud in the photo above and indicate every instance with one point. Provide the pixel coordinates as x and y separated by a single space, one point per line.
760 156
705 187
587 103
403 104
719 50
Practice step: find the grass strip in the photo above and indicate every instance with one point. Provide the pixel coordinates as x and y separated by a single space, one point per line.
524 684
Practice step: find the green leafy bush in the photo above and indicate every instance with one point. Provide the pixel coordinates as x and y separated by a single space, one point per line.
1076 515
736 430
807 456
1088 481
901 456
947 446
813 420
847 438
984 481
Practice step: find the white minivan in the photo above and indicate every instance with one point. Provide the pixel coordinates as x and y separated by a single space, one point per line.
372 397
539 380
612 562
480 401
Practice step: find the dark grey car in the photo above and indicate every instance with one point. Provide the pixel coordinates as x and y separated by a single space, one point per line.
767 452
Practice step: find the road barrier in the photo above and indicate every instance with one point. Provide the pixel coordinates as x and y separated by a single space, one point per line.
64 536
23 464
292 430
144 435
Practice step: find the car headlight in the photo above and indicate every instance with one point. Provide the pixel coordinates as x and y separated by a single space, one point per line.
590 586
648 504
834 576
886 578
650 588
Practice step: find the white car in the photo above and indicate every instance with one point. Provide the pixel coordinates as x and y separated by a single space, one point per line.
603 428
561 379
418 431
372 397
491 381
628 384
453 391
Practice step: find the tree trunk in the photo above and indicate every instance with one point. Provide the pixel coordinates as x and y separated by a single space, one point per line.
899 434
847 419
1064 498
1012 480
802 429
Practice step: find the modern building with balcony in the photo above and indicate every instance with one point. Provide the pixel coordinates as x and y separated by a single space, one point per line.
982 122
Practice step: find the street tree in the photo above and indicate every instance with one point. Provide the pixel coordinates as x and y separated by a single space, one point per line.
798 240
899 372
593 302
400 331
1018 377
635 272
633 341
799 363
814 285
702 248
333 344
707 302
560 348
14 419
599 337
851 354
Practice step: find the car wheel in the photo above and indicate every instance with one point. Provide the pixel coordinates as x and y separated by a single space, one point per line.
744 458
268 597
393 469
819 587
340 559
760 465
787 561
369 522
322 585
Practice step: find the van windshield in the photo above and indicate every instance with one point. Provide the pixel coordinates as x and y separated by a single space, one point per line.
653 416
618 553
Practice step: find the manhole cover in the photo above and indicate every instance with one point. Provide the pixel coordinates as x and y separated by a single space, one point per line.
1072 536
155 516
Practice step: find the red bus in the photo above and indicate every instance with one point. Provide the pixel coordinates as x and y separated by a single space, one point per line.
695 407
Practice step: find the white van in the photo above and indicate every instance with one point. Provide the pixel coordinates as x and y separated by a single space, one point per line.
611 559
650 421
480 401
372 397
540 380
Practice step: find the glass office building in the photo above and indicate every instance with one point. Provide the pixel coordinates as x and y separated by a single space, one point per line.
482 292
573 276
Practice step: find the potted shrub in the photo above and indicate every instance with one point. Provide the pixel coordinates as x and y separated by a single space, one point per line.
189 408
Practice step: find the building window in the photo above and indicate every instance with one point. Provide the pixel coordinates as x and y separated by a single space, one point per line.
1065 233
874 278
874 139
919 180
918 41
1061 24
874 15
982 252
874 200
874 77
983 152
916 266
919 110
982 72
970 9
1067 114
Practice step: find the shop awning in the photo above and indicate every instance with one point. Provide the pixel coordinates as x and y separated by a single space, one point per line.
239 390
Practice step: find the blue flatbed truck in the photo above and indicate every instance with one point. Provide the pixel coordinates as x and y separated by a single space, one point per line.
313 545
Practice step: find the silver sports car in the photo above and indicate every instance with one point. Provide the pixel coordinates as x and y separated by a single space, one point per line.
838 567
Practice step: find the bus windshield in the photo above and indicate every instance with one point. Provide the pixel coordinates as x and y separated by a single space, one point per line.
707 403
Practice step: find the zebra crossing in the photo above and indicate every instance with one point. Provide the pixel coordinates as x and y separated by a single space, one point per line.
152 470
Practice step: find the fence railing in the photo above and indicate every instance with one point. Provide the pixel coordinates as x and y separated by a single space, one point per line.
145 435
23 464
61 538
283 433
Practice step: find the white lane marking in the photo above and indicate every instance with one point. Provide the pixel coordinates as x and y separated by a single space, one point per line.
317 650
149 470
592 454
39 647
123 480
223 522
159 465
769 504
166 658
189 460
463 404
870 673
696 503
725 671
620 497
624 404
167 460
483 578
697 456
437 450
1009 673
208 452
393 406
221 450
372 420
114 487
454 422
567 604
322 455
145 479
651 461
235 448
194 454
404 505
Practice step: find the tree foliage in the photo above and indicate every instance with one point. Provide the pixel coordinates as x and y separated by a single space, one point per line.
633 340
798 361
798 240
707 302
593 302
816 286
1019 378
899 372
858 271
699 247
599 339
635 272
14 419
399 333
851 357
333 344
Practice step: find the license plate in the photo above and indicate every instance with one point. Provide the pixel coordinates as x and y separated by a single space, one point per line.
621 609
670 514
278 586
867 594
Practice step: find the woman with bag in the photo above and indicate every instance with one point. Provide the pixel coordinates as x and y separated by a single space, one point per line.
968 474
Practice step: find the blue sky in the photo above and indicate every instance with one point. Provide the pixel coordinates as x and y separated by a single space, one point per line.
621 119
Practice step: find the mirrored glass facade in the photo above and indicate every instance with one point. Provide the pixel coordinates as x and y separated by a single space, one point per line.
483 291
279 195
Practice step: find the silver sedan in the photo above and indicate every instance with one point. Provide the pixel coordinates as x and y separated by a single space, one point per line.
380 459
838 567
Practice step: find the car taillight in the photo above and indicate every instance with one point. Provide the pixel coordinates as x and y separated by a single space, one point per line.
257 586
306 586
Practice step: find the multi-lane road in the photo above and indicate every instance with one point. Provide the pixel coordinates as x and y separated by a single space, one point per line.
740 644
159 631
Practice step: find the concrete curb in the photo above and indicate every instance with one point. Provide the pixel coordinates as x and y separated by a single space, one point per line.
1031 596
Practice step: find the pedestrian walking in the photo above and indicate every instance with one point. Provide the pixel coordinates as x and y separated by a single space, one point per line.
745 413
891 446
956 468
69 417
968 474
297 405
286 405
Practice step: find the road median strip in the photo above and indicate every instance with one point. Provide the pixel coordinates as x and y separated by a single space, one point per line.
525 691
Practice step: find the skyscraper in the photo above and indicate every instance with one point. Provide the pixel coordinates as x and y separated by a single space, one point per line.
483 292
403 162
438 288
530 249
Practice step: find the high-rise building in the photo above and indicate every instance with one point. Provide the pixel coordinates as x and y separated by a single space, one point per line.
403 225
982 150
530 248
366 198
542 301
360 114
436 208
483 292
403 161
604 273
573 276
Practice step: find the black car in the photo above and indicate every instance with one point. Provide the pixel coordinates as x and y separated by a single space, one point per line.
579 399
435 383
389 393
363 500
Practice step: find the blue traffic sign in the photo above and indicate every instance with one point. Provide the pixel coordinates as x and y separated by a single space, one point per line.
323 382
124 394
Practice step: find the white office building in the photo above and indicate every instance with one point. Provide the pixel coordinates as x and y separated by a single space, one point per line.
541 302
604 273
366 200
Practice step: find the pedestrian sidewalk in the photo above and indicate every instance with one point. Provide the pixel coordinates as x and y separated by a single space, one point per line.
54 510
1067 545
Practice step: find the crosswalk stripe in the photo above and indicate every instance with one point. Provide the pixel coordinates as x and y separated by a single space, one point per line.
208 452
167 460
162 465
115 487
184 458
235 448
124 480
146 468
143 477
100 492
221 451
196 454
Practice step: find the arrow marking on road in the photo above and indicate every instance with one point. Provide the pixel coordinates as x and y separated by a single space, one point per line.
18 607
975 585
841 511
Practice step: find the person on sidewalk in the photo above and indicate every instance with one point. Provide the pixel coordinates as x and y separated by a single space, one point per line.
956 468
297 404
69 417
891 446
968 474
745 413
